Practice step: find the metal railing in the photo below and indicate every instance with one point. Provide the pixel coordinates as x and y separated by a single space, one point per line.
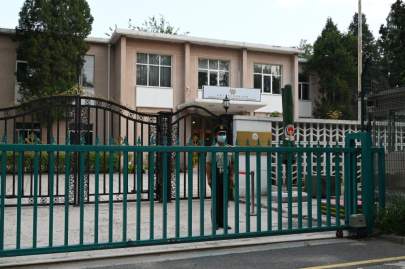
132 221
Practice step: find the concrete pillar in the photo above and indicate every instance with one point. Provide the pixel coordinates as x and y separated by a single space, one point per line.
294 73
189 94
244 73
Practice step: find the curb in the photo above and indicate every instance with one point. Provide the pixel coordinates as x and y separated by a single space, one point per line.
94 255
394 238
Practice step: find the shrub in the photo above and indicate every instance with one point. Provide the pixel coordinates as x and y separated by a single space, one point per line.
391 220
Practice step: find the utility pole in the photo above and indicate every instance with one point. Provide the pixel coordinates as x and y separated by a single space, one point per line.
359 63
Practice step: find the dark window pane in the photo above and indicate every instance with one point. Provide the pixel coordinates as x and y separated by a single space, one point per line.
266 69
202 79
303 78
299 91
141 75
142 58
213 78
224 65
22 71
165 60
153 59
257 68
257 82
165 76
305 91
88 72
213 64
276 70
153 75
266 84
276 85
203 63
223 78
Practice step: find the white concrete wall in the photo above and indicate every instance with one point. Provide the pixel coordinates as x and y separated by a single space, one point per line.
154 97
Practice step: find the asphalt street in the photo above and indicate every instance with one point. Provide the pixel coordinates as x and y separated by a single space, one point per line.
318 254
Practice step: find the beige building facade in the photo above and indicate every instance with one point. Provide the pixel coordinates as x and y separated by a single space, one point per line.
153 72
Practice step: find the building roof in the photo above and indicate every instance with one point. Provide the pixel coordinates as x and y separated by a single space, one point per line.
202 41
118 33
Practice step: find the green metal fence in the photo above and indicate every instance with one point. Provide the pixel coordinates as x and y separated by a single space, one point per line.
315 201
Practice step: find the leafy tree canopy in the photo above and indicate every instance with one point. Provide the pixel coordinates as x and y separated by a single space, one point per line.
156 24
51 38
335 66
392 44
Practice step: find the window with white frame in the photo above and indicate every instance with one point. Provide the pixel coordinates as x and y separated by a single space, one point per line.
213 73
28 131
303 87
87 74
153 70
21 70
267 77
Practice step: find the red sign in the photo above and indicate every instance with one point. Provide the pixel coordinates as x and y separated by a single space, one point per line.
289 132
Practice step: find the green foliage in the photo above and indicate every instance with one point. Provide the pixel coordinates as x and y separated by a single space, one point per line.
392 44
51 38
156 24
335 66
307 49
392 219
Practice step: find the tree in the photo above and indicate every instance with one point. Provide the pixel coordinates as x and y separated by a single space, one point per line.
392 44
307 49
51 38
372 75
335 66
156 24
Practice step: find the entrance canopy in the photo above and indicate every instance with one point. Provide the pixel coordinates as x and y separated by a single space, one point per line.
241 100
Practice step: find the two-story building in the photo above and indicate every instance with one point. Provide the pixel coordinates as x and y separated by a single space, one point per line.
152 72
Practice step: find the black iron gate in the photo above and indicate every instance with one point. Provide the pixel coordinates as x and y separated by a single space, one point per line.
178 128
76 120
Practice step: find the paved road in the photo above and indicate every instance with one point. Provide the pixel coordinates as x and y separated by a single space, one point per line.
365 254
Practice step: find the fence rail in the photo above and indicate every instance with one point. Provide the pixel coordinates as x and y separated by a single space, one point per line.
315 202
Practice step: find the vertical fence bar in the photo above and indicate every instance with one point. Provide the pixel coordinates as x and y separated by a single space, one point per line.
347 184
124 196
381 177
3 196
247 190
299 187
337 186
258 192
51 195
236 197
214 192
189 193
81 199
151 195
269 192
328 187
308 184
67 192
165 187
177 179
35 209
110 196
96 195
318 187
19 195
202 191
225 184
279 191
289 186
354 181
138 193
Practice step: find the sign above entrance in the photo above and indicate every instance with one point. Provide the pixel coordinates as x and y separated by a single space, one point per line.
234 94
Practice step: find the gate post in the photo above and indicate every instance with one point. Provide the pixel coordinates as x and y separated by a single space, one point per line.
164 137
366 173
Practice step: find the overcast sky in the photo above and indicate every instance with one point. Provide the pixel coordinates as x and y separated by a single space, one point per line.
274 22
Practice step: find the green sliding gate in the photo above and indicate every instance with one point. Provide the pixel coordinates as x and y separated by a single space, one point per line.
327 190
